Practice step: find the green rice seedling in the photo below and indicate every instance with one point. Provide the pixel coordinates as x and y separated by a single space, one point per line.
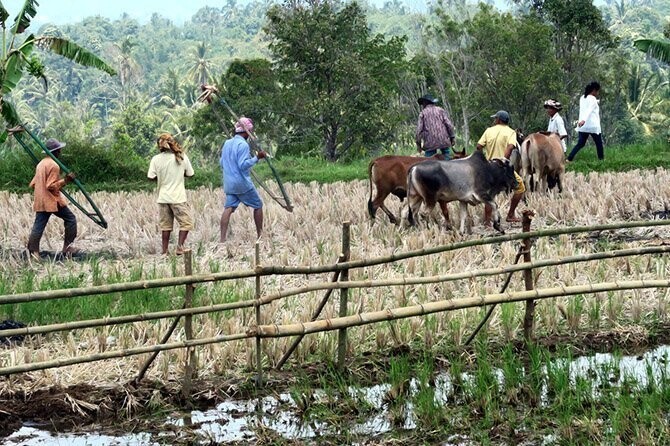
483 389
513 377
508 320
399 379
595 310
574 311
429 412
96 272
614 308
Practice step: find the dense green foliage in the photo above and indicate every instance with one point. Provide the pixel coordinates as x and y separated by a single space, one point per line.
339 80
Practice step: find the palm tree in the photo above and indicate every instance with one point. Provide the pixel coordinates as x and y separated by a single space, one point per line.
17 57
200 65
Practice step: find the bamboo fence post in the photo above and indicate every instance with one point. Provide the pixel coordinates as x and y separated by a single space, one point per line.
344 295
259 366
528 320
334 277
190 358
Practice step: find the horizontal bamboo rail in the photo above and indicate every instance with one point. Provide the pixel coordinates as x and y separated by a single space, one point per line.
283 270
34 366
331 286
268 331
117 320
273 331
405 281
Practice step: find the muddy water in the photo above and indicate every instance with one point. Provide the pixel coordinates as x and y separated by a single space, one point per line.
237 421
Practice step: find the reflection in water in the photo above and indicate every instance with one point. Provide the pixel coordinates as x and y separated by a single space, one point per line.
238 420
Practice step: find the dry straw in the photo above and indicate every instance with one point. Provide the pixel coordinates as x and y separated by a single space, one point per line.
311 235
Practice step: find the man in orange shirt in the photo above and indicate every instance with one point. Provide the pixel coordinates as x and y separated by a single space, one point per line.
49 201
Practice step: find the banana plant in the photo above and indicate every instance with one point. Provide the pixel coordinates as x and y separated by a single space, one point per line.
658 49
18 57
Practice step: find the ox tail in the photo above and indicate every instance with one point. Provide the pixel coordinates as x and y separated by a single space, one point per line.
410 216
371 209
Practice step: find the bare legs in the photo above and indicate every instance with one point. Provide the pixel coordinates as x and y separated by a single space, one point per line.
258 220
165 241
225 220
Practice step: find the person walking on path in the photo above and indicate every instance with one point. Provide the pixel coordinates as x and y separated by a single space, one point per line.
49 201
589 121
434 131
498 141
556 123
236 163
168 169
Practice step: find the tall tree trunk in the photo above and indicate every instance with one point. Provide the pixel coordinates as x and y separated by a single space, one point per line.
330 149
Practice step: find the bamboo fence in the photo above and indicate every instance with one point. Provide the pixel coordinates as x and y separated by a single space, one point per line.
341 267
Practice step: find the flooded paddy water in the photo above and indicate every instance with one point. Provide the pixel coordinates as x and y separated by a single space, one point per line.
372 412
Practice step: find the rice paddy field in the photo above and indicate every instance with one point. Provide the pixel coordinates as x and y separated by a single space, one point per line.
311 235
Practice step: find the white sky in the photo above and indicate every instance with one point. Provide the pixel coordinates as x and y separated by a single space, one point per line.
69 11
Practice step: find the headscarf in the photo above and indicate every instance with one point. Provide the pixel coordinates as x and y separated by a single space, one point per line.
167 142
244 124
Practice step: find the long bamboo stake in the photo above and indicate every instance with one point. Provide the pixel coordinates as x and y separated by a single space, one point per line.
529 316
448 305
331 286
31 367
281 270
190 361
344 296
259 363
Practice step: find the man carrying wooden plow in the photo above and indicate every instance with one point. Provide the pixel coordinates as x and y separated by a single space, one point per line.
49 201
236 163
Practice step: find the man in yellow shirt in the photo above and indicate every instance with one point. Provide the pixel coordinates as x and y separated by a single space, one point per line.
168 169
498 141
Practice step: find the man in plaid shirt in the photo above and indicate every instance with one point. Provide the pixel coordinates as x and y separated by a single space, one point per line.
434 131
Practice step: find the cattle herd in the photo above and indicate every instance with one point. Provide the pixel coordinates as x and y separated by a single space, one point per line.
467 179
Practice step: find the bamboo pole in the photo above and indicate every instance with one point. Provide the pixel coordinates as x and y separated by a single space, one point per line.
154 355
405 281
259 365
529 316
344 295
283 270
118 320
449 305
190 360
660 249
31 367
315 315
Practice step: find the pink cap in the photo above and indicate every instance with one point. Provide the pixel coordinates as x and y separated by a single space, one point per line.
244 124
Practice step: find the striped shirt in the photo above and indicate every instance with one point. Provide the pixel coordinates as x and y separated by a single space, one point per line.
434 129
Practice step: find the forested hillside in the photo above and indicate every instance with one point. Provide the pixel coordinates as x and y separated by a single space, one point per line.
340 79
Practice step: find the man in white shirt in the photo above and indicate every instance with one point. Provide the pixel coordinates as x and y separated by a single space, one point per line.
556 124
168 169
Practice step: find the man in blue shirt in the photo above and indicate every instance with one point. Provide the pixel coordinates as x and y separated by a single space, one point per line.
236 162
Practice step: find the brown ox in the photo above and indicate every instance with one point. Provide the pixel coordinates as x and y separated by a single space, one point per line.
388 173
543 161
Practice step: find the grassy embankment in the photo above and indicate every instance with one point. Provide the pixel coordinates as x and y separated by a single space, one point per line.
100 170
